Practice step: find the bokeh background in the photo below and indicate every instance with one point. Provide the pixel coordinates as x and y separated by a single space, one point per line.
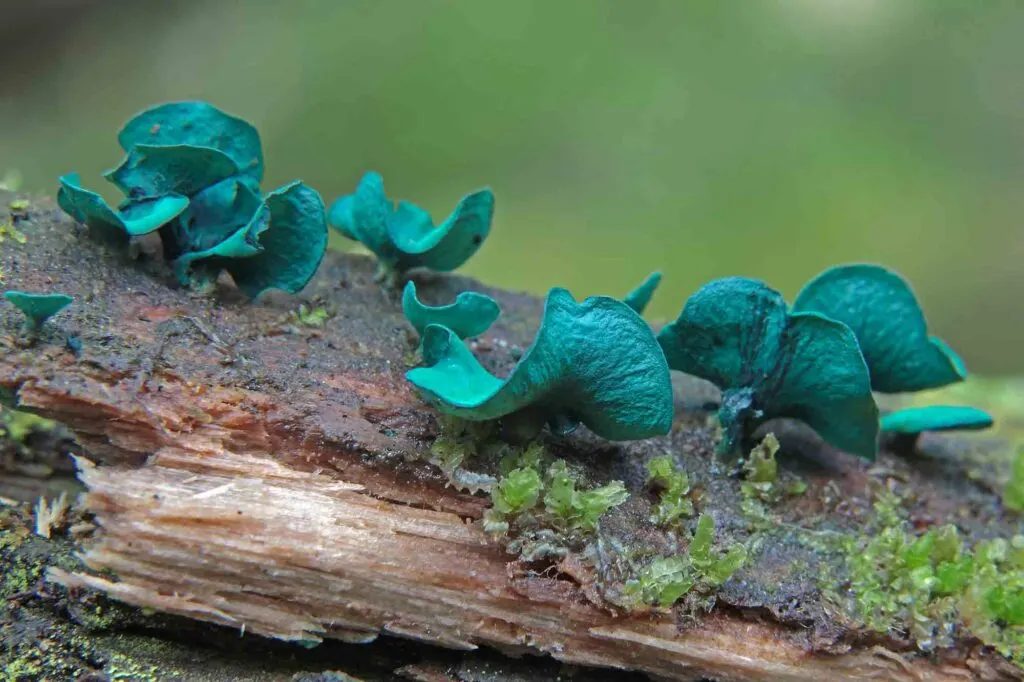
769 138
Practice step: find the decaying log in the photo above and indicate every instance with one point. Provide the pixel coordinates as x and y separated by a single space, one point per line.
248 469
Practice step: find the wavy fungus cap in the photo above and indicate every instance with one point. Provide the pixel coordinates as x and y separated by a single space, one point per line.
471 314
200 124
595 363
404 236
881 309
738 333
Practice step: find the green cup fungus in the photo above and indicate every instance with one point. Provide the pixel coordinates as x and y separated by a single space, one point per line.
907 424
595 363
471 314
192 172
739 334
38 308
404 236
881 309
638 298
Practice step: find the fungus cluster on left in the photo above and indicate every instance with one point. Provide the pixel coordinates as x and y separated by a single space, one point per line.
192 173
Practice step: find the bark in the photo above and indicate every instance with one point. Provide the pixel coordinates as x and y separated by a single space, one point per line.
246 469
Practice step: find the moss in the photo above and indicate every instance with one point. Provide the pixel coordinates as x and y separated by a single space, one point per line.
567 511
1013 491
760 466
18 425
8 231
929 586
665 580
458 442
307 316
673 500
572 509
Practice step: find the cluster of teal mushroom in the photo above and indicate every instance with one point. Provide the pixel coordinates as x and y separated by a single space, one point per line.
853 331
192 173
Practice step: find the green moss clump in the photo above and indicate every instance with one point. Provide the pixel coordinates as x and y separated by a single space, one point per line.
18 425
931 587
761 467
566 509
573 509
307 316
666 579
674 502
1013 493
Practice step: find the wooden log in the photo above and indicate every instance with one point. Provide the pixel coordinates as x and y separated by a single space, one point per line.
248 469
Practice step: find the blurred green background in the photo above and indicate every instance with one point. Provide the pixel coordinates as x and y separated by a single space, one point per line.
769 139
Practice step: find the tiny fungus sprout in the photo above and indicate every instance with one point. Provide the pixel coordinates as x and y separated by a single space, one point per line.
737 333
595 363
404 236
470 315
38 308
192 172
641 296
881 309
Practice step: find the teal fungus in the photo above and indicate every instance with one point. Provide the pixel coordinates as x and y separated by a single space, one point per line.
595 363
739 334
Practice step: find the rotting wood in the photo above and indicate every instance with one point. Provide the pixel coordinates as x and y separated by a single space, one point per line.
268 481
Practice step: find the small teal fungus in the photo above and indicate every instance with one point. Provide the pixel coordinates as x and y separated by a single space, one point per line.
641 296
404 236
595 363
470 315
192 172
881 309
916 420
737 333
38 308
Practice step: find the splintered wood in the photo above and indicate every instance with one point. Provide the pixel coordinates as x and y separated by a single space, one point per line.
302 556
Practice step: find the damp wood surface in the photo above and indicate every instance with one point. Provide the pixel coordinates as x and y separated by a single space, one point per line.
250 466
